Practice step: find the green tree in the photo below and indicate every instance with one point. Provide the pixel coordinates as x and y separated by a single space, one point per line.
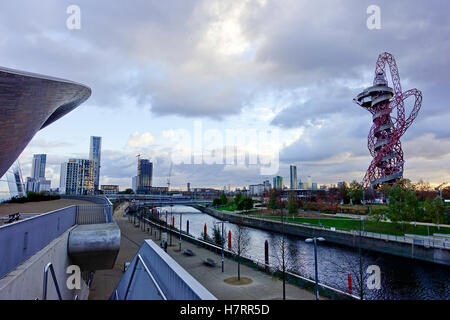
273 200
378 213
435 210
403 203
127 191
237 198
384 189
217 233
355 192
245 204
217 202
343 193
223 199
292 205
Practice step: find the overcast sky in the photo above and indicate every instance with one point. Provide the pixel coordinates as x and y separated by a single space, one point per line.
293 67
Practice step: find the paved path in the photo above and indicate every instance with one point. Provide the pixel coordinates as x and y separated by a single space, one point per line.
38 207
263 287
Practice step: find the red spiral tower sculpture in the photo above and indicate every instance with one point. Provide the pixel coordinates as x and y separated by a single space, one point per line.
387 107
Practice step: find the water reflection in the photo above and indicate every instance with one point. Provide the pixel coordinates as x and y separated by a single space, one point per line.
401 278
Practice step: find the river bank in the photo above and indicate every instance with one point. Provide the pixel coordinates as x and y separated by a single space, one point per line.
393 245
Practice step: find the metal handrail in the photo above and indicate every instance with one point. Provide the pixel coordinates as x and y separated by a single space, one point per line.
255 260
44 293
430 242
139 258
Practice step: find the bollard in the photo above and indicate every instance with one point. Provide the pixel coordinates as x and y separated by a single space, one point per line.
187 227
229 240
266 254
350 283
204 231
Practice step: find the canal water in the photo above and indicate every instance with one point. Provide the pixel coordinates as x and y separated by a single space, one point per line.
401 278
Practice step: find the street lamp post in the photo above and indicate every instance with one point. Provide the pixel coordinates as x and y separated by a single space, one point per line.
314 240
222 242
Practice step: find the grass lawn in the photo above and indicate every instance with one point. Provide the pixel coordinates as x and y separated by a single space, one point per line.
227 208
369 226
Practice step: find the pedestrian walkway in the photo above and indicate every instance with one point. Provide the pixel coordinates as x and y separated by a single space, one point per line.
263 286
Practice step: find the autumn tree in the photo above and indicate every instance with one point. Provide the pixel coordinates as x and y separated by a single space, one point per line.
424 191
446 193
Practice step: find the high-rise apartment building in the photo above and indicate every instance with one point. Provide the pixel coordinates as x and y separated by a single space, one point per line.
293 176
267 185
37 181
134 184
77 177
95 156
144 176
309 183
256 189
38 166
278 182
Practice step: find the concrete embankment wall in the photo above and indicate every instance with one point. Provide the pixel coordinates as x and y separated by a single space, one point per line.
435 255
26 281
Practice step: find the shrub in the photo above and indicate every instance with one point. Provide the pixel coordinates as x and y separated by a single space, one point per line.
33 197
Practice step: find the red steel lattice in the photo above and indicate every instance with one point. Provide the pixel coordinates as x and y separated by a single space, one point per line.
387 106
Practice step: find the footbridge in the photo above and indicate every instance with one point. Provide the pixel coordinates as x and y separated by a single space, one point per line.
159 201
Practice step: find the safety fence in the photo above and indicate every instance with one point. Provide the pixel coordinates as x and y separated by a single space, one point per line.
145 223
426 241
21 239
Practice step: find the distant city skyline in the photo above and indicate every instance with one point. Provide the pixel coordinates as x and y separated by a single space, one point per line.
231 68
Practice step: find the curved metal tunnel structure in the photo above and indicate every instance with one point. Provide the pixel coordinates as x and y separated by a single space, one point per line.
30 102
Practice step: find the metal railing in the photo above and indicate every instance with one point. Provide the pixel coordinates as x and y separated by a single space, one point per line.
90 214
139 259
49 266
21 239
256 261
96 200
428 242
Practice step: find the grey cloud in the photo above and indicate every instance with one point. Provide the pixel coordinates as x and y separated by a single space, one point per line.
148 52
